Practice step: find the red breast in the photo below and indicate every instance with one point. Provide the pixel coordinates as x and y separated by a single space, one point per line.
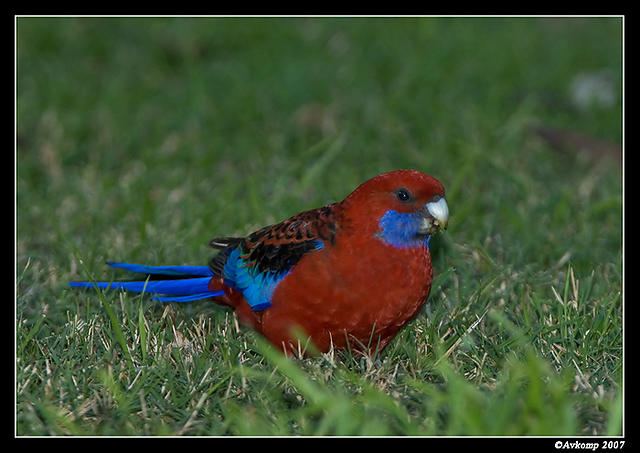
354 291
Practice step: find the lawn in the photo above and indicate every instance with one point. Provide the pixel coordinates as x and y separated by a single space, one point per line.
140 139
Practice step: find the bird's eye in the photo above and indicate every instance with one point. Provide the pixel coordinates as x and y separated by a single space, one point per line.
404 195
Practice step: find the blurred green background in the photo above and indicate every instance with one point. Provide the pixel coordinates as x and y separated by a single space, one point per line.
139 139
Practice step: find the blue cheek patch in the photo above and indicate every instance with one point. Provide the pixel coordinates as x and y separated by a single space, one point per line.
257 287
401 229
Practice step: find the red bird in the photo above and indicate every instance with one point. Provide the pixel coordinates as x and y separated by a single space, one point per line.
350 274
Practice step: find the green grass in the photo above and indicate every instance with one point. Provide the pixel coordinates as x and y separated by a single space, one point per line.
140 139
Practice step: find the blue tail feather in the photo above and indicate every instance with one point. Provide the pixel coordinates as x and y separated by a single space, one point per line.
163 270
181 290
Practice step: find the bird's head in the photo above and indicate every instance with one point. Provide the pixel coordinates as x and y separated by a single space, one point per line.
403 208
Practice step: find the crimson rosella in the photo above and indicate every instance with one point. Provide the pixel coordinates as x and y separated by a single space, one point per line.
350 274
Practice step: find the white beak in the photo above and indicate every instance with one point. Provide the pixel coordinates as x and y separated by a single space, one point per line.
436 216
440 212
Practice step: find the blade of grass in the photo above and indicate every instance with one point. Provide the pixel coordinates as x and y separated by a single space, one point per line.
143 334
32 332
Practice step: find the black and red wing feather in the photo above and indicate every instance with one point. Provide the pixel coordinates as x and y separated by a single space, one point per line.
277 248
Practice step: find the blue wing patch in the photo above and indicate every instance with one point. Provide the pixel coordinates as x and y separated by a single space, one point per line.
257 287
